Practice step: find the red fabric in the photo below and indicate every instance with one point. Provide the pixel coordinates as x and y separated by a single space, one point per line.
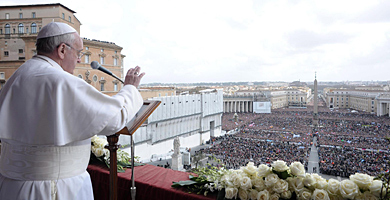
151 182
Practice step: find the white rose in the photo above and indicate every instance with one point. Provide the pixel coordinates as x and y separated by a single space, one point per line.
259 184
246 183
333 186
296 184
263 170
376 187
231 193
304 194
271 179
236 179
309 181
250 169
286 195
322 184
297 169
280 186
243 194
279 166
274 196
98 151
320 194
263 195
348 189
253 194
362 180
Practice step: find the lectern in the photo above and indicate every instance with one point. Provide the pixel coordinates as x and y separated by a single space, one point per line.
146 110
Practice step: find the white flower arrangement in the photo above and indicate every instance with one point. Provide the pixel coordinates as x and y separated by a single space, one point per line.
286 182
101 153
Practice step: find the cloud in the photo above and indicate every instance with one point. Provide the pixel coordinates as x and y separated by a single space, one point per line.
310 39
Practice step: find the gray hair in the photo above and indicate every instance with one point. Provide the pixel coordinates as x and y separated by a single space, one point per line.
49 44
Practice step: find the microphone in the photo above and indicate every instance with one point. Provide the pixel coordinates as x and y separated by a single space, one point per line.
96 65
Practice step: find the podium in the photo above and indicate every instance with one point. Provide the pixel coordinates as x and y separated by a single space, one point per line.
146 110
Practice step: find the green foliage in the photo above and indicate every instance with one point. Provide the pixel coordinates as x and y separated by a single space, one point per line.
282 175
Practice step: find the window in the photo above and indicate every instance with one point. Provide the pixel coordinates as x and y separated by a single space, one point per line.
115 86
6 15
33 28
101 86
33 15
20 50
7 29
6 53
115 61
20 15
26 29
101 60
116 51
2 75
21 28
86 48
101 50
80 76
1 31
70 19
86 58
94 78
63 15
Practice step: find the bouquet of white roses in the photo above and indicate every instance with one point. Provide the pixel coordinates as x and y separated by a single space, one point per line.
281 181
102 154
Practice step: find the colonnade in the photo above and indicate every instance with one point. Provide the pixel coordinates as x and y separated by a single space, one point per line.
237 106
383 108
382 105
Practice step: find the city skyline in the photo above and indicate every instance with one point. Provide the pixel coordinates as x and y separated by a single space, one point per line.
246 41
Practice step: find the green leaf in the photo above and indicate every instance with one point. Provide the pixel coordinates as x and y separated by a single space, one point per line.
183 183
282 175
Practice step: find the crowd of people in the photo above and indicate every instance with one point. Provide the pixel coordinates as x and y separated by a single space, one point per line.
348 142
235 151
348 160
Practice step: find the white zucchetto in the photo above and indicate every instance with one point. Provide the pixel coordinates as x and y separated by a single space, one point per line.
55 29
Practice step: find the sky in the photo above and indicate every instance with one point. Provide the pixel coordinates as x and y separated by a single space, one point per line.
182 41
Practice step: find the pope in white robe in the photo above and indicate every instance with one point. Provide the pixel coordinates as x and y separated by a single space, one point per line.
47 119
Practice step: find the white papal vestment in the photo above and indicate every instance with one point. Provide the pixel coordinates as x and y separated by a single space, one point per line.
47 119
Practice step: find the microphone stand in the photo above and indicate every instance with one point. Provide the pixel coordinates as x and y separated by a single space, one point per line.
132 188
113 75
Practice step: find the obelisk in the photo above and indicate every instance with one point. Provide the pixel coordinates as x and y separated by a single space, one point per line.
315 113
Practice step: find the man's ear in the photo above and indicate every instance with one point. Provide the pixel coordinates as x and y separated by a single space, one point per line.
61 51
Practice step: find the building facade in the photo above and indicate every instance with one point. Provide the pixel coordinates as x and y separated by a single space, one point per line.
372 101
242 100
193 118
19 27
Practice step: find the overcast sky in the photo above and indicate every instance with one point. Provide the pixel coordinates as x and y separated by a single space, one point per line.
180 41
